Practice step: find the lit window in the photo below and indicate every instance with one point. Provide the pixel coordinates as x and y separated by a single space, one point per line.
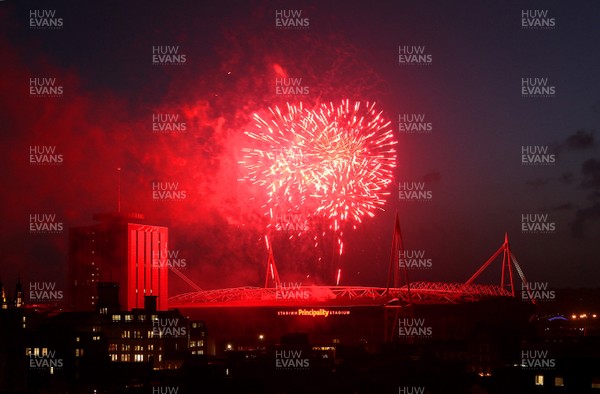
76 339
150 334
150 347
138 348
142 317
559 381
78 352
539 380
595 383
114 357
139 358
112 347
126 334
103 311
125 348
44 351
125 357
96 338
192 343
116 317
201 342
128 318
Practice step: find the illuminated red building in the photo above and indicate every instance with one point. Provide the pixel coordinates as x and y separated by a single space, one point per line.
119 248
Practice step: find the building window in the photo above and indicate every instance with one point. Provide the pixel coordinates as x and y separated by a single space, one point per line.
125 348
138 348
139 358
150 333
137 334
559 381
96 338
596 383
103 311
126 334
128 318
142 317
116 318
114 357
125 358
76 339
78 352
539 380
112 347
150 347
44 351
192 343
201 342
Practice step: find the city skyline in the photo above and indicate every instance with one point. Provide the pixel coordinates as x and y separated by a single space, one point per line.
505 114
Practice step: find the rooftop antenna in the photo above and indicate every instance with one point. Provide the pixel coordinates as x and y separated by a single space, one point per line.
119 190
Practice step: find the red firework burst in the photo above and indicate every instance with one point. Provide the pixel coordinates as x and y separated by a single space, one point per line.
334 162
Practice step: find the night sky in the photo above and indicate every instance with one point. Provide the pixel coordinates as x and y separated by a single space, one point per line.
469 89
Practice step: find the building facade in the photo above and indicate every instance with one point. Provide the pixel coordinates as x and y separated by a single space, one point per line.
119 248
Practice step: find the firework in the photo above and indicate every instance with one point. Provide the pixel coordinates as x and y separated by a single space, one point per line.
330 162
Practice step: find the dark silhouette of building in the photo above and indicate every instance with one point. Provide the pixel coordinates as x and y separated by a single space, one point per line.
83 349
119 248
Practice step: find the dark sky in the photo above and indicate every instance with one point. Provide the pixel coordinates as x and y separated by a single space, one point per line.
470 92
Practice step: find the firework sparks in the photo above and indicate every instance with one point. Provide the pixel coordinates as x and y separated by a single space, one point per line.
334 162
